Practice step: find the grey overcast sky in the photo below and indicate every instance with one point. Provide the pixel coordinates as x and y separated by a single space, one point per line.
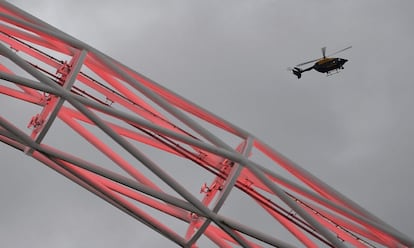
354 130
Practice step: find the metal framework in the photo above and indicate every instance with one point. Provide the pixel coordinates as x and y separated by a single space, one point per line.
100 99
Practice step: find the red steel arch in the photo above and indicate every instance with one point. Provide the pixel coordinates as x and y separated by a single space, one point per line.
92 93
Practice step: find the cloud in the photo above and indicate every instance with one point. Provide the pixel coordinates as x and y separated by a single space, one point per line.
353 130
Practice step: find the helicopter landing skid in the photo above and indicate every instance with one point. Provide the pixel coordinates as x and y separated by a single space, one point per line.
328 74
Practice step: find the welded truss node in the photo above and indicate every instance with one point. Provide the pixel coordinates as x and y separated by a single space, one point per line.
170 164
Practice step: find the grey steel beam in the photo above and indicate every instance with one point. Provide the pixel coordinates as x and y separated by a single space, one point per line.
78 62
321 185
163 103
59 169
136 213
228 186
115 177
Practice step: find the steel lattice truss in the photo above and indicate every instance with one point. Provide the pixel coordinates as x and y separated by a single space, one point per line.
100 99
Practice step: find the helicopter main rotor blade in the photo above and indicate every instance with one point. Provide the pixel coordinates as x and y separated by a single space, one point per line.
323 52
346 48
307 62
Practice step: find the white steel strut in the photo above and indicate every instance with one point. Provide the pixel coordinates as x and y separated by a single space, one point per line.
100 99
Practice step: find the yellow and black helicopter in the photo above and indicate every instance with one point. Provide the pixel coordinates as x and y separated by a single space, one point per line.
324 65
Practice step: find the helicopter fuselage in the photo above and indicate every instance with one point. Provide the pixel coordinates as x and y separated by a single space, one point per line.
326 65
323 65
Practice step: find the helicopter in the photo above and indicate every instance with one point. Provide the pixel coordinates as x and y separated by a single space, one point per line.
323 65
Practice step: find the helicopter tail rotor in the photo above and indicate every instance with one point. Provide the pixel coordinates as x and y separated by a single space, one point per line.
297 71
